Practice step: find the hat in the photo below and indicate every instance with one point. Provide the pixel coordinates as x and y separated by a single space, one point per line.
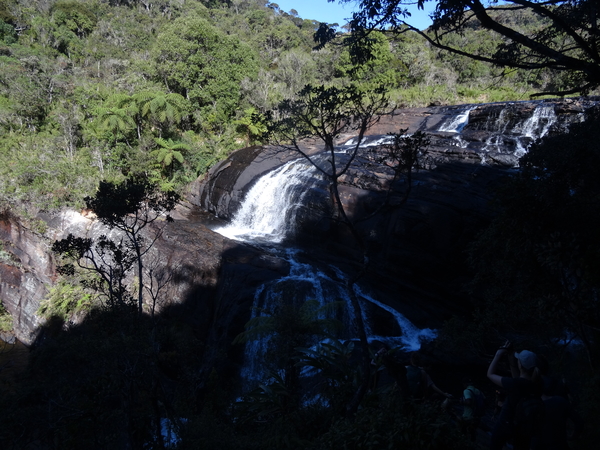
527 359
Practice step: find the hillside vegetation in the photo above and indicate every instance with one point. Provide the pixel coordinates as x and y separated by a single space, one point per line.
102 89
95 92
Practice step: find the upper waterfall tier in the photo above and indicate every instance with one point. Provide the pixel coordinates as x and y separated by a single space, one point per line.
492 133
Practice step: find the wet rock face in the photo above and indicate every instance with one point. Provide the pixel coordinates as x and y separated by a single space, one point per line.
495 135
416 249
26 271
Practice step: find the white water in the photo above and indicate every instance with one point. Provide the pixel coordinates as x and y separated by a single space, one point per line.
524 133
503 134
411 337
313 283
538 125
323 288
268 215
456 123
370 141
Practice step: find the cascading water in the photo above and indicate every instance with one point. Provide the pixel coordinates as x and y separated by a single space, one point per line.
509 129
267 216
538 125
523 133
535 127
268 213
457 122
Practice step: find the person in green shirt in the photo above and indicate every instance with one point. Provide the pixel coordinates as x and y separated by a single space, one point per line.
472 401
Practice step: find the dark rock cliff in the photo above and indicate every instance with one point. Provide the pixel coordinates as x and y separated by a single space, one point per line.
416 249
212 277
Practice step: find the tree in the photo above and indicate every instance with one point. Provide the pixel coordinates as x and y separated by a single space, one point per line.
163 109
326 113
252 126
75 16
384 68
110 261
116 120
169 151
8 34
129 207
568 40
69 117
204 65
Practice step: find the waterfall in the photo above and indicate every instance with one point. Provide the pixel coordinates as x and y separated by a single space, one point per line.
271 209
411 337
305 282
268 215
535 127
509 128
510 137
268 212
538 125
457 122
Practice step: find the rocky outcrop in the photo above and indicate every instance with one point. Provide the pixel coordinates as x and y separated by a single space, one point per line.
416 248
25 275
211 278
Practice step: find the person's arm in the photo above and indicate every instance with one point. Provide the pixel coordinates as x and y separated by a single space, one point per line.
491 372
439 391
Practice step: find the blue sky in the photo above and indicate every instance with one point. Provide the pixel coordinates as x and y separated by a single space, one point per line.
324 11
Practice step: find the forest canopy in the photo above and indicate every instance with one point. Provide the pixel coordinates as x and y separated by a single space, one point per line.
96 90
561 35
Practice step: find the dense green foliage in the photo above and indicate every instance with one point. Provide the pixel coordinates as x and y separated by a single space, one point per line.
108 90
560 37
98 89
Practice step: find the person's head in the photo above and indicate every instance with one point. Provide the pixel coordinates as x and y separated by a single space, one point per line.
467 381
527 362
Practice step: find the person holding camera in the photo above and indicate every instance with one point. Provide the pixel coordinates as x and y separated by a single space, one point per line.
520 385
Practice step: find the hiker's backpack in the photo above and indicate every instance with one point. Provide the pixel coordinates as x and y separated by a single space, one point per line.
478 403
530 413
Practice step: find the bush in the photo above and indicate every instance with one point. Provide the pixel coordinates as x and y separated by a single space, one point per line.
410 425
6 321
